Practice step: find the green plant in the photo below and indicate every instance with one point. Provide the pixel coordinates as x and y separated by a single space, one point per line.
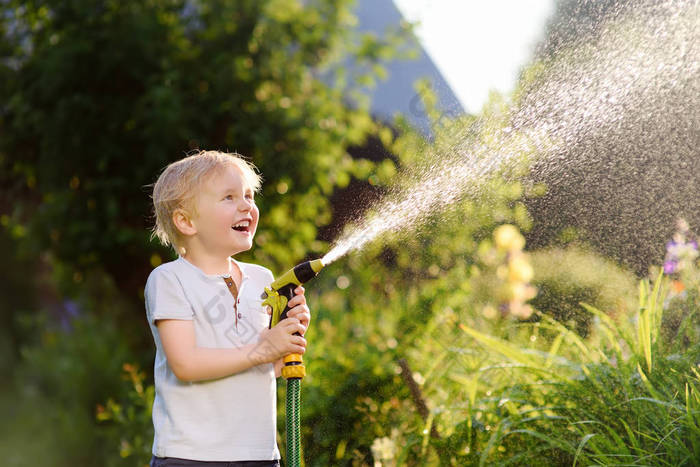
622 396
130 419
64 375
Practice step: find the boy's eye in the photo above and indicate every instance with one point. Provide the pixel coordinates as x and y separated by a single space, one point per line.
229 197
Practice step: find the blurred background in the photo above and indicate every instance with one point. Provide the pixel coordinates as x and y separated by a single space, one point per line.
332 100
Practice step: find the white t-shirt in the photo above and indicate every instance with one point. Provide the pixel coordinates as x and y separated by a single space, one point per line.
226 419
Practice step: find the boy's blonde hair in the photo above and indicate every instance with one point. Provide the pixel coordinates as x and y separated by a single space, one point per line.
180 183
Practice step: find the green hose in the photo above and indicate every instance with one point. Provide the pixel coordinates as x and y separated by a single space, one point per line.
293 435
277 297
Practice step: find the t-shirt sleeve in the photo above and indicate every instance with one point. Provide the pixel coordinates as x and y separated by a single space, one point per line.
165 297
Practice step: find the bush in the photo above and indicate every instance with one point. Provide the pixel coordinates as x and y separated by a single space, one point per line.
66 374
625 395
71 362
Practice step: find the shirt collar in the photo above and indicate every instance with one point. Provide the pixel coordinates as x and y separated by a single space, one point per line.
216 277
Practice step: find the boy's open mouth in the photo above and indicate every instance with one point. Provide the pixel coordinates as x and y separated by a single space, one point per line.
242 226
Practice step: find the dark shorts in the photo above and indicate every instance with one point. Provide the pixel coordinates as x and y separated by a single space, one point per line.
176 462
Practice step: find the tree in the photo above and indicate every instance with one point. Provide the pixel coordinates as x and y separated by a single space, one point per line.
99 96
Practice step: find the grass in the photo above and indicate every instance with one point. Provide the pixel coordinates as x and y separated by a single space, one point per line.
623 396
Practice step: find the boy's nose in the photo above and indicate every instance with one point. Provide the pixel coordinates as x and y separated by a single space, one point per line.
246 205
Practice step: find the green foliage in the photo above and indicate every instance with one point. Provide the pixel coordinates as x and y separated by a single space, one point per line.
18 297
647 409
131 421
565 277
100 96
65 375
626 395
72 355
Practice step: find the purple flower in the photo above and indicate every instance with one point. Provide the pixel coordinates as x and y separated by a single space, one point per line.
70 311
670 267
72 308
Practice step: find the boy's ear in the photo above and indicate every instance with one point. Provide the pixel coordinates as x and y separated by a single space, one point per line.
183 222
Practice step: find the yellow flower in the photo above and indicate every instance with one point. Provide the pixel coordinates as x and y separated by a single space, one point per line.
520 310
383 449
489 312
502 272
508 238
521 292
519 269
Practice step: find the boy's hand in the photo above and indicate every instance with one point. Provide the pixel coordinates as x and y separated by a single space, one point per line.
281 341
299 309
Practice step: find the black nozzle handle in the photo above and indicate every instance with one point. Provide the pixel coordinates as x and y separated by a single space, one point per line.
287 291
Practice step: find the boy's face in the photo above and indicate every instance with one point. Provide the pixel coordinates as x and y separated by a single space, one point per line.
227 216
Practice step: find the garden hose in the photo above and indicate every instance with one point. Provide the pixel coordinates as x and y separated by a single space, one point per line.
277 297
293 422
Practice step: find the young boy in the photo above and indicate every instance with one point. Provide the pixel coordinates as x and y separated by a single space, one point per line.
216 361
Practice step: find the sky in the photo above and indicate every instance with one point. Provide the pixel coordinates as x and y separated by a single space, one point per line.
478 45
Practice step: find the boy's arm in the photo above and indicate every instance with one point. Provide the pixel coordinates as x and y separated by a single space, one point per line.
192 363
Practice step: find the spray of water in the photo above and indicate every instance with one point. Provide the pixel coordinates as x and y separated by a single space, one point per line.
625 109
620 83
